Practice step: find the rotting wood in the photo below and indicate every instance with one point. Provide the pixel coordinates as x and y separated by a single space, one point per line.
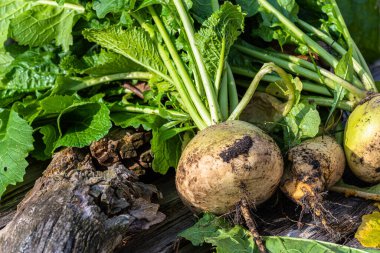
83 204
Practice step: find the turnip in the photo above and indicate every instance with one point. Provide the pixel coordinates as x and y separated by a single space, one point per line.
312 168
361 141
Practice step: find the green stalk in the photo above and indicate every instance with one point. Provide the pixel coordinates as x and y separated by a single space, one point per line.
189 86
232 92
266 69
115 77
308 65
209 89
169 114
328 102
361 67
331 83
223 96
75 7
299 35
219 71
187 102
364 64
306 85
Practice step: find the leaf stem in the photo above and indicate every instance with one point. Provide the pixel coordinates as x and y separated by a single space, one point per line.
209 88
266 69
219 71
223 96
169 114
360 68
299 34
75 7
307 85
114 77
189 85
233 98
329 102
331 83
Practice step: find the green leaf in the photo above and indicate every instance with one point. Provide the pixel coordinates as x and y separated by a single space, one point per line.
103 7
166 147
56 104
302 122
44 147
83 123
134 43
5 60
223 27
104 63
251 7
43 24
8 10
227 238
16 141
202 9
135 120
368 233
30 71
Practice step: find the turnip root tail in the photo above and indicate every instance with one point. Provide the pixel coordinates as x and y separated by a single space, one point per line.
313 167
244 209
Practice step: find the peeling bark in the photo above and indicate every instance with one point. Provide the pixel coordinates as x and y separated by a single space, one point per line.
87 199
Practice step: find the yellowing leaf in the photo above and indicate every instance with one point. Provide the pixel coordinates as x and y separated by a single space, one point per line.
368 233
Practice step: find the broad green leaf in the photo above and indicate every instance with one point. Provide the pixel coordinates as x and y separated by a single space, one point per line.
166 147
56 104
202 9
135 120
5 60
251 7
43 24
83 123
227 238
30 71
302 122
223 27
104 63
8 10
103 7
368 233
44 147
16 141
133 43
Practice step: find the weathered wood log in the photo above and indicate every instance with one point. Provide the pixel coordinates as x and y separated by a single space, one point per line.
84 202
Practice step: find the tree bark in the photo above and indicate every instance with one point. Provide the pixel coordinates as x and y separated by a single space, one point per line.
87 200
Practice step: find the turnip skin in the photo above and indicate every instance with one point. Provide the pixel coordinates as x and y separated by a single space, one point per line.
313 167
225 163
362 141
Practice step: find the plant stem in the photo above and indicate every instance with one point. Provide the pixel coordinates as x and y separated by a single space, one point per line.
115 77
307 86
219 71
355 193
187 102
169 114
75 7
209 88
360 68
223 96
232 92
299 35
328 102
266 69
189 85
331 83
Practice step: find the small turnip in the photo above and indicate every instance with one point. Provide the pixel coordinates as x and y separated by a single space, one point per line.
362 140
312 168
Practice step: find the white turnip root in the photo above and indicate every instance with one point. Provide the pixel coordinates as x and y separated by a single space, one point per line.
362 141
313 167
226 163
